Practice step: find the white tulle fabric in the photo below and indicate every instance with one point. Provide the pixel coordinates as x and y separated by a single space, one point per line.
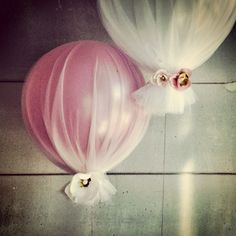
100 190
160 100
169 35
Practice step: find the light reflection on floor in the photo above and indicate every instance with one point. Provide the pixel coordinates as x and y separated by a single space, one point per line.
186 201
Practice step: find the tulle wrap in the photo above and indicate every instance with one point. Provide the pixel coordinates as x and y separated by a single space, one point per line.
100 190
165 93
167 35
78 107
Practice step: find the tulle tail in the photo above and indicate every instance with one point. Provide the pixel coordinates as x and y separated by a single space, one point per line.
161 100
90 188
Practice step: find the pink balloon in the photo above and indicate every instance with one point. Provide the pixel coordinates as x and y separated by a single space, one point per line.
78 107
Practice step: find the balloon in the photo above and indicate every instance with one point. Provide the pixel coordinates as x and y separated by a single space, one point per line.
78 107
168 36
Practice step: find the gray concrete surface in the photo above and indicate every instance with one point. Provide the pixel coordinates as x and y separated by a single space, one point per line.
156 198
35 206
206 136
199 205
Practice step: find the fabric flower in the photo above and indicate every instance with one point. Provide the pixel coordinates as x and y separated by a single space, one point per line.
161 78
181 81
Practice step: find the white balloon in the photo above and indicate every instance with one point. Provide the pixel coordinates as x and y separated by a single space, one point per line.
168 35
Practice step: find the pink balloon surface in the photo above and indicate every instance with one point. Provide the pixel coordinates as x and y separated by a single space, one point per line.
78 107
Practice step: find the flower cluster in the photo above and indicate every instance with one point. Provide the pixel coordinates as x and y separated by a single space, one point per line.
179 80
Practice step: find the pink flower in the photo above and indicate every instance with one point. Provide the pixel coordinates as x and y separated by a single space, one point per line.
180 80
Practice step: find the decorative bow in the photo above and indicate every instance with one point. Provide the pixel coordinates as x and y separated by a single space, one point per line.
179 81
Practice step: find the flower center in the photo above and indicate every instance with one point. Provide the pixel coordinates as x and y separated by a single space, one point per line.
183 79
84 182
163 78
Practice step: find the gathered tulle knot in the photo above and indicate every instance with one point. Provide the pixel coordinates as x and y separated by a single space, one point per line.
166 93
90 188
179 80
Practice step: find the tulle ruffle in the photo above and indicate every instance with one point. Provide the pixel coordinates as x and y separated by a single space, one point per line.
90 188
159 100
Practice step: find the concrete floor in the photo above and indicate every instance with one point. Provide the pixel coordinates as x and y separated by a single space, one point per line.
179 181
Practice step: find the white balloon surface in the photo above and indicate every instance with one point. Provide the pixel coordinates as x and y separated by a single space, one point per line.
168 35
